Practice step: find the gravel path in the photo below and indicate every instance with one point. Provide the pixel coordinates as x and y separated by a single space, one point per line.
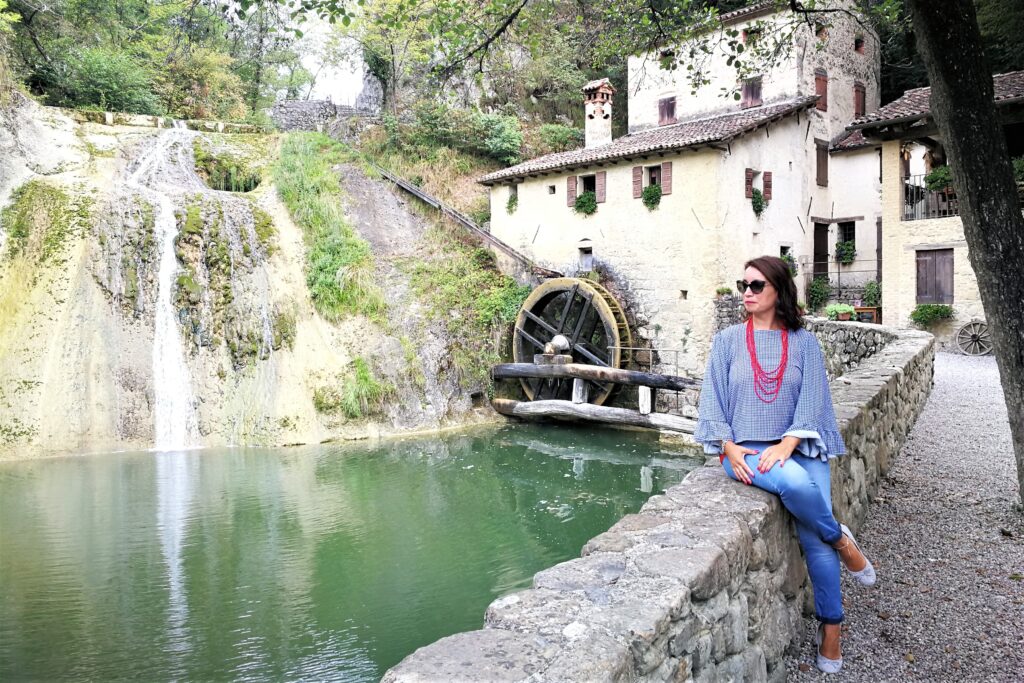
947 545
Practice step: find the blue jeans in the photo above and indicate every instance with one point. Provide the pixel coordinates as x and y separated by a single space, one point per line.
805 487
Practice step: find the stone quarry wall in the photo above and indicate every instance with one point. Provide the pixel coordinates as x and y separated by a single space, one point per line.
707 581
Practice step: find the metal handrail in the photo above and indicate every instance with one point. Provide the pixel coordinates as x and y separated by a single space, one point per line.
920 203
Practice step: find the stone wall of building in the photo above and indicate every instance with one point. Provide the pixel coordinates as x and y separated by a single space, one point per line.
707 581
316 115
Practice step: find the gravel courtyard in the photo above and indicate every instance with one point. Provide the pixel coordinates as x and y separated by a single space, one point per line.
948 548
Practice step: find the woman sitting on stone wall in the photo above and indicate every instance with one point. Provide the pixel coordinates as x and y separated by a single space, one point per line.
775 428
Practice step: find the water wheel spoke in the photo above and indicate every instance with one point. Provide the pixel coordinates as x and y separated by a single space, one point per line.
586 312
530 338
568 306
544 324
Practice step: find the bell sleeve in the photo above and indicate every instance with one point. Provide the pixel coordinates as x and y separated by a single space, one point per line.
713 419
814 419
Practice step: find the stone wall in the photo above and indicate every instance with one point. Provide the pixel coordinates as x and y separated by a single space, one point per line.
310 114
707 581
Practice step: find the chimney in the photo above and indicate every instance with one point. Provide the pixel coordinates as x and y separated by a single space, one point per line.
597 103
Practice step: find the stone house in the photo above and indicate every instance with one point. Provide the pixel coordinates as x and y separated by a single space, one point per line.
924 254
785 139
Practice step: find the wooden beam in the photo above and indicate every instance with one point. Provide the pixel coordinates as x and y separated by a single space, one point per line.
591 413
595 374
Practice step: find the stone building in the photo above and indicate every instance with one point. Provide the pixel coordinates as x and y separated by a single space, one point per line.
785 140
924 254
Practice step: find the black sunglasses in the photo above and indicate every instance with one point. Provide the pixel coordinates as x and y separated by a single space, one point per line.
756 286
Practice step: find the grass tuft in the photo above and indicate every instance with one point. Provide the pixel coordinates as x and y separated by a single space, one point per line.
339 266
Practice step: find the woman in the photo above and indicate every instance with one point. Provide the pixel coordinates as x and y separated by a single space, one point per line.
766 411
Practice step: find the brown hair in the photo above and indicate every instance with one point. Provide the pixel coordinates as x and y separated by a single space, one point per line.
777 272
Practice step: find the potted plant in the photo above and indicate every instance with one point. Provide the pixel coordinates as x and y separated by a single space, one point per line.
839 311
846 252
791 262
818 292
586 203
872 294
925 315
651 197
758 202
940 179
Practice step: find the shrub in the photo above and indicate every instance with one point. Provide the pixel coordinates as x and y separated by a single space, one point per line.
555 137
199 84
104 78
512 204
586 203
926 314
757 202
818 292
872 293
723 291
846 252
1018 169
832 311
652 196
939 179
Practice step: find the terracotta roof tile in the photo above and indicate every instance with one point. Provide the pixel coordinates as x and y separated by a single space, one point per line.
745 11
914 105
678 136
853 140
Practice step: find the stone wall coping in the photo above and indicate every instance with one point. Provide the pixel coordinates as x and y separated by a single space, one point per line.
705 582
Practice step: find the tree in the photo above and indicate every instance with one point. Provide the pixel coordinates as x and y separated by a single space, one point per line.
962 107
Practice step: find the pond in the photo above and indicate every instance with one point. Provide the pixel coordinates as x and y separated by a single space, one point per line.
321 562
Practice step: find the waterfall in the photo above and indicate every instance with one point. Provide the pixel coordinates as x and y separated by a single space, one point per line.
174 408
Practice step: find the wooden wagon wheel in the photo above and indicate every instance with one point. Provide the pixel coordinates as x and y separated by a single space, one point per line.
588 316
973 339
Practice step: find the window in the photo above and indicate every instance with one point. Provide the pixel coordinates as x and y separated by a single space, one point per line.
859 100
848 232
935 276
654 175
751 36
551 189
821 31
751 93
858 44
822 152
783 250
821 89
589 183
666 111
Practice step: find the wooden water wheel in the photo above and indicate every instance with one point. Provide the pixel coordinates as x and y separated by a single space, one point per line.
973 339
592 321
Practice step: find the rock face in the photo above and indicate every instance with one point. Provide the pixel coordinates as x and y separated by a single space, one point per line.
79 284
707 582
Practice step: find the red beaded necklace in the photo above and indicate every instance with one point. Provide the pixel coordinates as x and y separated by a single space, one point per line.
767 384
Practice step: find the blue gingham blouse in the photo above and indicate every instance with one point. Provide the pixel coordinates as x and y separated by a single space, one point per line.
730 410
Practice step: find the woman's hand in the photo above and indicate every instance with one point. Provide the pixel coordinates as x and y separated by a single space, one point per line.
736 454
777 453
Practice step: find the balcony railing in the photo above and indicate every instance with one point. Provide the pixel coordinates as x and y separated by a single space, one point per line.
919 202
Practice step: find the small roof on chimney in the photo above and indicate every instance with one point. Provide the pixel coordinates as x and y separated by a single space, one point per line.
600 83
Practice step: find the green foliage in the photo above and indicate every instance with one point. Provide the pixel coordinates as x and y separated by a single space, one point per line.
651 196
1018 169
512 204
586 203
924 315
223 171
818 292
939 179
758 202
872 293
791 262
833 311
495 136
355 394
555 137
199 84
339 267
846 252
39 220
462 289
104 78
723 291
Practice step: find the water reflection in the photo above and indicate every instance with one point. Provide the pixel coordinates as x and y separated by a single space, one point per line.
328 562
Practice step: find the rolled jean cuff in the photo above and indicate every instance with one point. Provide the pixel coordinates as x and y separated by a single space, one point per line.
823 620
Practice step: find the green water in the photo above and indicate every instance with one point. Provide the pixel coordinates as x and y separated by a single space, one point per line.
328 562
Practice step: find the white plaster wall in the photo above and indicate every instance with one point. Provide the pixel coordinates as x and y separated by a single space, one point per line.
794 76
901 239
